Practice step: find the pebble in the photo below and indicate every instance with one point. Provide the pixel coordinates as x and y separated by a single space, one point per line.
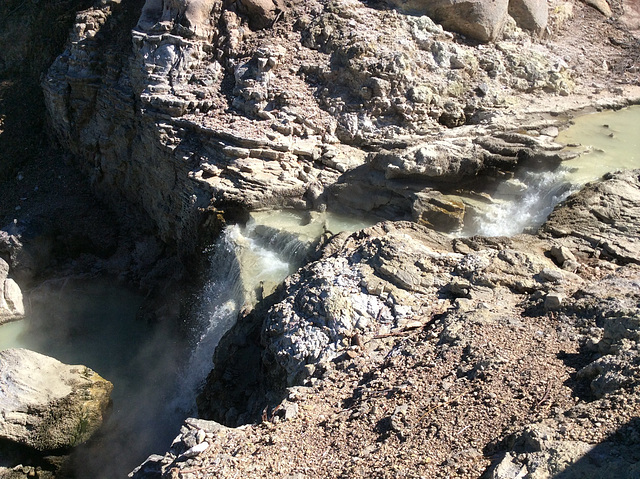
196 450
553 301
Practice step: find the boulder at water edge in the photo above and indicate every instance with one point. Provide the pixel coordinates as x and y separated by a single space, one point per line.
48 405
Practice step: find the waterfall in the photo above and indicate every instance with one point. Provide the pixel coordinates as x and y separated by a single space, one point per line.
607 141
536 194
247 262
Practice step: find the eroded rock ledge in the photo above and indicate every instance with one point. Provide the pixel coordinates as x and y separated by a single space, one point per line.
210 108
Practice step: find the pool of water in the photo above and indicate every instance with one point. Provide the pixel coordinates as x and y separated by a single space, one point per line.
608 141
93 322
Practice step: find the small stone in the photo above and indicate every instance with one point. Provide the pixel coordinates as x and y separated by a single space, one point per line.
562 254
196 450
482 89
552 275
553 301
551 131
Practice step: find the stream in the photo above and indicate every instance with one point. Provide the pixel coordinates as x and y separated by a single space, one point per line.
607 141
157 372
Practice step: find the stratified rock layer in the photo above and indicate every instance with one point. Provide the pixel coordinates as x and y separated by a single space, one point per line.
201 110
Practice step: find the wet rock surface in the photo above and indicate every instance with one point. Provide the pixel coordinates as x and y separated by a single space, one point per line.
46 409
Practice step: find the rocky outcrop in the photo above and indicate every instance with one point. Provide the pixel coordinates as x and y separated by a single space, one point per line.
348 312
602 219
47 405
203 114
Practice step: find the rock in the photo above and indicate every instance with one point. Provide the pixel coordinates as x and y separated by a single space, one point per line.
552 275
11 301
13 298
562 254
183 17
508 468
478 19
438 212
261 13
195 450
48 405
601 218
530 14
601 5
553 301
631 16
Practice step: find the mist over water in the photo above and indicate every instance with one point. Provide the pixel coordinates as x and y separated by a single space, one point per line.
156 370
93 322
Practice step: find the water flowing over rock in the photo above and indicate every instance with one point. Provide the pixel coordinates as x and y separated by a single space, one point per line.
199 112
47 405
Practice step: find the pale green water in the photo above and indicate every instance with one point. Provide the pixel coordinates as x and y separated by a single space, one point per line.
611 141
608 141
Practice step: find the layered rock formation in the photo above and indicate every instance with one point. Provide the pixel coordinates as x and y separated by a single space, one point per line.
471 304
196 112
207 112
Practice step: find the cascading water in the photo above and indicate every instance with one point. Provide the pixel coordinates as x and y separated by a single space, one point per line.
536 194
607 142
249 262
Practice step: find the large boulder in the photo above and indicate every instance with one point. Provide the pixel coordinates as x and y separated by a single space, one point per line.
530 15
48 405
478 19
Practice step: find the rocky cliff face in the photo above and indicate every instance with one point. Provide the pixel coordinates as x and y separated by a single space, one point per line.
234 106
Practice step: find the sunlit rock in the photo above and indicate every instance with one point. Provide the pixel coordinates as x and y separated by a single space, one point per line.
48 405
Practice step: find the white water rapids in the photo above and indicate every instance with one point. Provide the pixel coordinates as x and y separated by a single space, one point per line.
607 141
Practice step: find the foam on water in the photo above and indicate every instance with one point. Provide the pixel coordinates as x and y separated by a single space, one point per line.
607 141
